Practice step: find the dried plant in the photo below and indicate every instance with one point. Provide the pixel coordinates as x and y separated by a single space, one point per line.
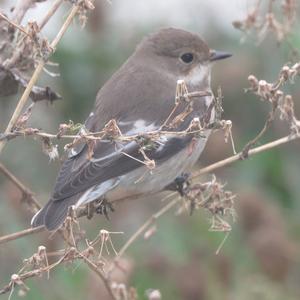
32 52
262 20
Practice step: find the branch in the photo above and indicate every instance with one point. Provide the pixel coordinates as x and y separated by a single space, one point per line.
20 234
30 199
96 270
208 169
267 125
70 255
239 156
14 24
36 75
50 13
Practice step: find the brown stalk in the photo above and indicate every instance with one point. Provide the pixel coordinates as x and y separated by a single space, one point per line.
208 169
50 13
234 158
30 199
268 122
20 234
99 273
13 24
36 75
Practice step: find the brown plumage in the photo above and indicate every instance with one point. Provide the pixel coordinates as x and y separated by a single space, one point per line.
139 96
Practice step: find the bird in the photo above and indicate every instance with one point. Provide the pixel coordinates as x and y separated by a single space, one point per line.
139 98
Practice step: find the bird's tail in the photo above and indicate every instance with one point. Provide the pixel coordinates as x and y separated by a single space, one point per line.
53 214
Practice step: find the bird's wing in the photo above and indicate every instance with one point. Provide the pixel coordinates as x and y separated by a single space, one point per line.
111 159
79 173
135 97
142 106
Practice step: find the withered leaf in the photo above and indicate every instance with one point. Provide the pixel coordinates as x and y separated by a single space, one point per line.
11 80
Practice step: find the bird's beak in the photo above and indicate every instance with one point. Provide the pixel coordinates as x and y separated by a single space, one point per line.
217 55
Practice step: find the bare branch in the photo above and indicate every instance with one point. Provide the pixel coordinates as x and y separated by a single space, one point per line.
239 156
20 234
195 174
100 274
50 13
28 195
37 73
14 24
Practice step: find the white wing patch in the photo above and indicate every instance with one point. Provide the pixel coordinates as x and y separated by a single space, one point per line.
139 126
97 191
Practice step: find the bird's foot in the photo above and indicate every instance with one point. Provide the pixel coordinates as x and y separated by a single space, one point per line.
180 184
103 207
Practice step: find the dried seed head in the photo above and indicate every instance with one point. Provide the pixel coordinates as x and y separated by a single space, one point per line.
195 124
253 82
262 84
50 149
150 164
88 4
15 277
278 94
287 108
264 89
41 252
41 248
181 91
296 67
289 100
104 234
285 72
153 294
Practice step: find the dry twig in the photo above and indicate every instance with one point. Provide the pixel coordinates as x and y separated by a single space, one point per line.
28 195
36 74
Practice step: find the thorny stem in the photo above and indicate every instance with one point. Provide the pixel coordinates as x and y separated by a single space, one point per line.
36 75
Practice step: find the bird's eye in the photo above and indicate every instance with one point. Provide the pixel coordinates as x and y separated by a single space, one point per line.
187 57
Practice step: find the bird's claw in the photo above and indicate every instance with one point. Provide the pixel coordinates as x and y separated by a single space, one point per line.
104 207
180 184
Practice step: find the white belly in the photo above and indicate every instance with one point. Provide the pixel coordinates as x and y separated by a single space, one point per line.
143 180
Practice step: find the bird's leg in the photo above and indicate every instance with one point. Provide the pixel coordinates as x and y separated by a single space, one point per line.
180 184
103 206
90 207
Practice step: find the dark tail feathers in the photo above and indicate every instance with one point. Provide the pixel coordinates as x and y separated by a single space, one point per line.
53 214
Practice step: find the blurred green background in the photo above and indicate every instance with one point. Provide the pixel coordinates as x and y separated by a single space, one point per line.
261 258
